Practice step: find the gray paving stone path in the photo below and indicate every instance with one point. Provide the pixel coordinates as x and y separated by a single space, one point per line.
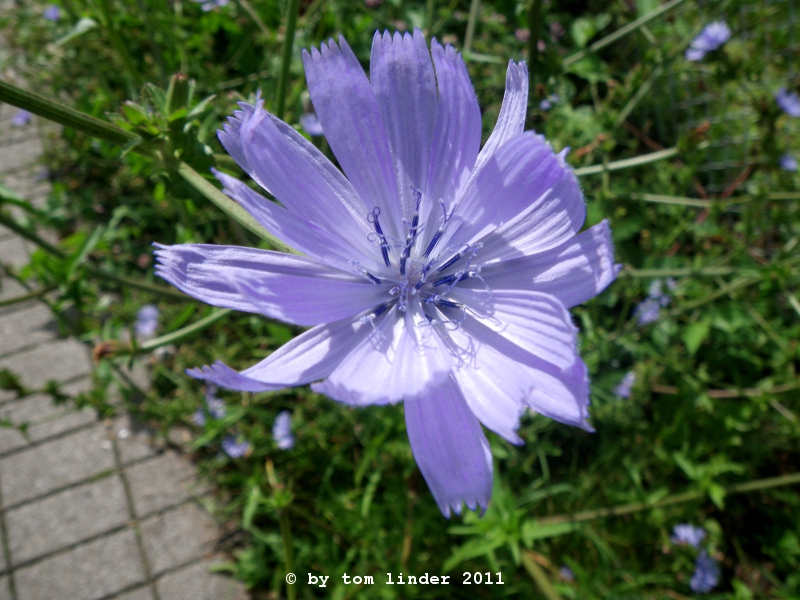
89 509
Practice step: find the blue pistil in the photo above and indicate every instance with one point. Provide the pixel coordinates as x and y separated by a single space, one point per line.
412 232
439 232
373 218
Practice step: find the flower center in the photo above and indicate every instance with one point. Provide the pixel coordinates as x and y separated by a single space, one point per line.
431 275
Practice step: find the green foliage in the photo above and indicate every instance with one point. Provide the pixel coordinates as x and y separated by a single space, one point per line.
715 398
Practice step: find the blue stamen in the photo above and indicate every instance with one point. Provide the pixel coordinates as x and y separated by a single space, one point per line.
438 235
444 281
381 309
450 262
444 303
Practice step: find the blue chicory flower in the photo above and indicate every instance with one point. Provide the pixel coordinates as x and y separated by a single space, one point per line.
22 118
147 321
649 309
282 431
548 102
310 124
566 573
623 389
433 272
706 574
208 5
52 13
711 38
684 533
788 162
788 102
213 405
235 448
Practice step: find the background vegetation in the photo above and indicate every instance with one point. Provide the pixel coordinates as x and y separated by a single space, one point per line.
694 191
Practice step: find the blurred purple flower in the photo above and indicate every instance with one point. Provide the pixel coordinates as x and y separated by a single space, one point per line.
282 431
788 162
706 574
22 118
566 573
433 274
234 448
208 5
711 38
556 31
684 533
623 389
548 102
649 310
523 35
52 13
147 320
310 123
788 102
214 406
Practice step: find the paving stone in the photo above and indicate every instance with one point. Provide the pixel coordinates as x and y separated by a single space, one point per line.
43 417
13 252
177 537
142 593
3 563
5 592
134 440
94 570
22 154
69 517
160 482
25 328
30 184
9 289
35 471
61 360
196 583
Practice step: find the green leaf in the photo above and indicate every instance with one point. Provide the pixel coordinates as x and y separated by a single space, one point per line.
717 494
532 531
472 549
590 68
583 30
88 245
200 107
369 492
695 334
82 26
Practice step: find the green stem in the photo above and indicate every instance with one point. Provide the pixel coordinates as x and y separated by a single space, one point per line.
474 9
29 235
29 296
624 509
185 332
288 552
628 163
539 576
429 8
119 46
637 97
69 117
228 206
622 32
682 272
254 15
292 7
535 27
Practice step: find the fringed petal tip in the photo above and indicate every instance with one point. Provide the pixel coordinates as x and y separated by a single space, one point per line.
457 504
223 376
